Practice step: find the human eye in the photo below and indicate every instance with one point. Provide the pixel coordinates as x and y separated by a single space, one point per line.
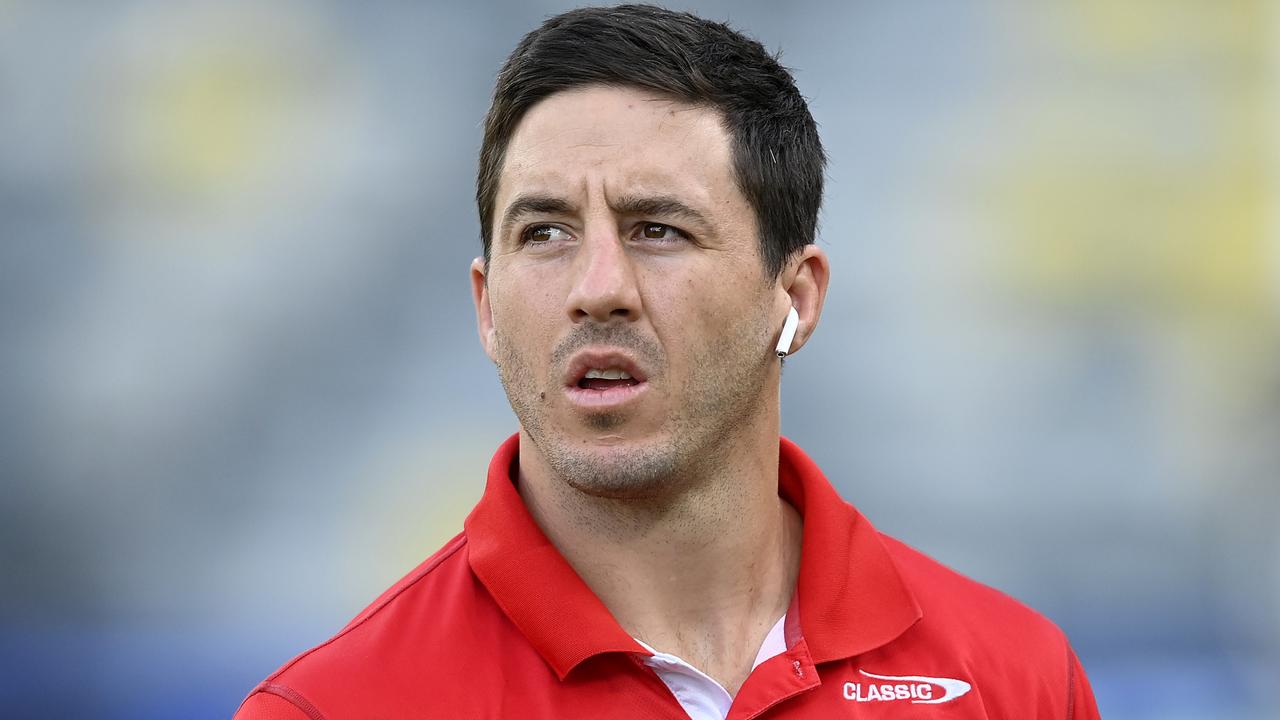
543 235
661 233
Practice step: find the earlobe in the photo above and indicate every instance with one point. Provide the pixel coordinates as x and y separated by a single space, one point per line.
484 312
804 287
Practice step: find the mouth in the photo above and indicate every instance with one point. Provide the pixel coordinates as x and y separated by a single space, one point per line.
603 379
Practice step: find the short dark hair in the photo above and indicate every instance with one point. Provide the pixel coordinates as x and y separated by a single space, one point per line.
777 156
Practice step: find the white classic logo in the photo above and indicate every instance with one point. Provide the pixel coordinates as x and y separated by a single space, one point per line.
916 688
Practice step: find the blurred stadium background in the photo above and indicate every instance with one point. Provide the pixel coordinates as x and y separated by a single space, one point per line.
241 390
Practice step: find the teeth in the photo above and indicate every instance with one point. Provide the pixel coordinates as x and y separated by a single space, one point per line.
607 374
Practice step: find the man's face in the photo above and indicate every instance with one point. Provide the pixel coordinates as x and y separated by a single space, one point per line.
625 303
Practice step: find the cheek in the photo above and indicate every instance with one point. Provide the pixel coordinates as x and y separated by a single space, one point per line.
696 313
526 342
525 315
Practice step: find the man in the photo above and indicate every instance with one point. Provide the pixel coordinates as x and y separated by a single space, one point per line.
647 546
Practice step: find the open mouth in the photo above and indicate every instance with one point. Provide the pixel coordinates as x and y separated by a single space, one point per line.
606 379
599 379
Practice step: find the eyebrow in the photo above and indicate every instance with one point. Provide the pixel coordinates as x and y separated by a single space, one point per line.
532 205
657 206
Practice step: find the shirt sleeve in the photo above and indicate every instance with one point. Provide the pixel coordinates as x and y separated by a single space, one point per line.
1080 702
267 706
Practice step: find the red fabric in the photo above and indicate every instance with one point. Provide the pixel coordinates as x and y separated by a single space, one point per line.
498 625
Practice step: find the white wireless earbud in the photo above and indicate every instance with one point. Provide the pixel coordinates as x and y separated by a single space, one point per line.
788 332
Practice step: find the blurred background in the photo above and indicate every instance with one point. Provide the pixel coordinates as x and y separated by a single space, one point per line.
241 391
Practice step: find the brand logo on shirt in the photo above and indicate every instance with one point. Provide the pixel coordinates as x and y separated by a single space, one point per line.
916 688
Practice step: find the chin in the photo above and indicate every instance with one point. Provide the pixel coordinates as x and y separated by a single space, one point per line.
614 467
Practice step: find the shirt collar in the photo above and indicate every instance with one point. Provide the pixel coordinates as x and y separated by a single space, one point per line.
849 597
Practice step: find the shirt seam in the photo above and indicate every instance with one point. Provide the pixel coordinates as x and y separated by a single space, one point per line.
293 697
1071 683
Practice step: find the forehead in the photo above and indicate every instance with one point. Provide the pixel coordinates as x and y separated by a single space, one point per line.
620 141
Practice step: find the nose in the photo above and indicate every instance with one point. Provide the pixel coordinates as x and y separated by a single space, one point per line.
605 283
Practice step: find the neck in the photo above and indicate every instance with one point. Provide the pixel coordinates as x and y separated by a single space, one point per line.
702 573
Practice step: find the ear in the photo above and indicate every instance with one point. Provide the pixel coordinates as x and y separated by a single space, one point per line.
484 313
803 286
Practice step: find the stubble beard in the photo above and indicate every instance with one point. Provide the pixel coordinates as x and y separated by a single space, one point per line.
725 391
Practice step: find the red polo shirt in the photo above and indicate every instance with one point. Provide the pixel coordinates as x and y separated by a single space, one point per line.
498 625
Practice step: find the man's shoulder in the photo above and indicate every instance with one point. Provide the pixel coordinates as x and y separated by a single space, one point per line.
414 601
1015 660
961 604
997 641
435 614
444 571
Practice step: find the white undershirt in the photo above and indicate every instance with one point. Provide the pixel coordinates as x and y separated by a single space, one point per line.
702 697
